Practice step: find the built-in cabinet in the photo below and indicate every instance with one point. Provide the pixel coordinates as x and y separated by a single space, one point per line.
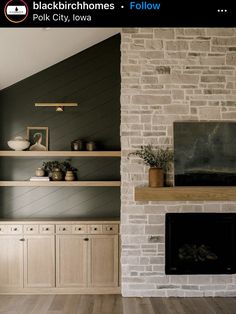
59 257
11 262
103 257
39 261
72 261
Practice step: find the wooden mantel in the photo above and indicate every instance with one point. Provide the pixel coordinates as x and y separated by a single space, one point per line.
186 193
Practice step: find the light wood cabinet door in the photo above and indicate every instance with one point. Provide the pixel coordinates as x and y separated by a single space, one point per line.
11 262
103 260
39 261
72 261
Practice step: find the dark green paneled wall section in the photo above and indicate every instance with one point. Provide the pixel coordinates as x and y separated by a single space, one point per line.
91 78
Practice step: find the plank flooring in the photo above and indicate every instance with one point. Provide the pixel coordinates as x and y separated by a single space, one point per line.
112 304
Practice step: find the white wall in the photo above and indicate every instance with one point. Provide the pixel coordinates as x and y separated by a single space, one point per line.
26 51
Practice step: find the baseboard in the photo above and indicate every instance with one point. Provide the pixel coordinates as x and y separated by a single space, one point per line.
107 290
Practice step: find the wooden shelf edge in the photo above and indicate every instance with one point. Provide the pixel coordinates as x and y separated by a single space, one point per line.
12 153
59 183
186 193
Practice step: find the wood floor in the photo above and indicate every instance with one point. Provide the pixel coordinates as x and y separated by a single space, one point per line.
113 304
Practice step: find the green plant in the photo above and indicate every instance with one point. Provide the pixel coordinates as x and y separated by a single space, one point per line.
64 166
155 158
67 166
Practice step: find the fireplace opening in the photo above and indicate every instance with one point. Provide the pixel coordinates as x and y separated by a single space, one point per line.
200 243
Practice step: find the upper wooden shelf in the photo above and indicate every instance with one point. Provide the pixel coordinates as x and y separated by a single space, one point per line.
12 153
186 193
59 183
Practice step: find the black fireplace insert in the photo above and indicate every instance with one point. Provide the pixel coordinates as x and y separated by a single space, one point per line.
200 243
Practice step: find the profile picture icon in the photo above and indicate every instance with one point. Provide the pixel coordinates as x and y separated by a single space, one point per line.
16 11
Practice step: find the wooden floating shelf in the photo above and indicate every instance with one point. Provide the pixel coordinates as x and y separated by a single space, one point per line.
59 183
186 193
56 104
12 153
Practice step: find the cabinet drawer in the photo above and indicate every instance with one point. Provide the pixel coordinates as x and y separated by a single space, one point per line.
64 229
31 229
80 229
110 229
95 229
46 229
14 229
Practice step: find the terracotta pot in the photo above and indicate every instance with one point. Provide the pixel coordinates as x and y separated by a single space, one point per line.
156 177
69 176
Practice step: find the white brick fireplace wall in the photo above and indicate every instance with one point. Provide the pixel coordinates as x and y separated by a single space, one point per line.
169 75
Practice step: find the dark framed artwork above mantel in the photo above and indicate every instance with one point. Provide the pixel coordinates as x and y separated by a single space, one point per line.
205 153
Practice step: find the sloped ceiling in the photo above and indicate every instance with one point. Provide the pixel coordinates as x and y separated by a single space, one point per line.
26 51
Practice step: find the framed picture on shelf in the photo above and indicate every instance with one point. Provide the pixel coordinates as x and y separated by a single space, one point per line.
38 137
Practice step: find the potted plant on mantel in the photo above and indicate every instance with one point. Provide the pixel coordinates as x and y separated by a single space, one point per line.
158 160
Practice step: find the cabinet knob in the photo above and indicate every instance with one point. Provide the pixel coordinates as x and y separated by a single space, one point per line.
64 229
31 229
15 229
47 229
22 240
95 228
86 239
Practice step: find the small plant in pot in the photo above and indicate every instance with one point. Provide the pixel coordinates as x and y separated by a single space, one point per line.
57 170
69 171
158 160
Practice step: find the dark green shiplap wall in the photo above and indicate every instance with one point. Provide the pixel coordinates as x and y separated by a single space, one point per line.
91 78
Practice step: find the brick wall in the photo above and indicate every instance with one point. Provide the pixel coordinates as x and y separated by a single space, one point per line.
169 75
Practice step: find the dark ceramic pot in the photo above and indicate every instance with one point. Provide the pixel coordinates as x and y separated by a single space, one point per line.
77 145
91 146
57 174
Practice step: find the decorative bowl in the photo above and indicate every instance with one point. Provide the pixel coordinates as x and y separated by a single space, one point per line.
18 143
